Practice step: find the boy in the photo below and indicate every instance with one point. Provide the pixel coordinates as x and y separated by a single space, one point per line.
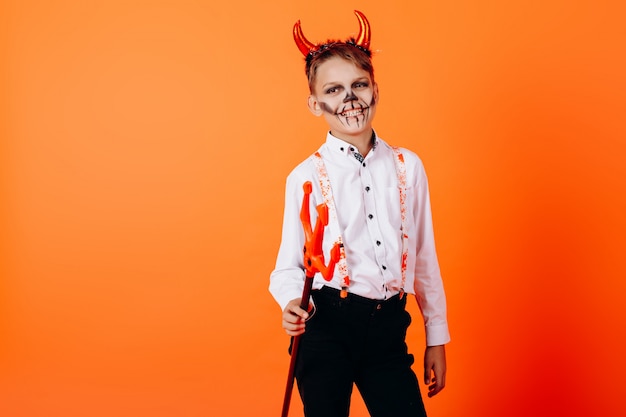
379 210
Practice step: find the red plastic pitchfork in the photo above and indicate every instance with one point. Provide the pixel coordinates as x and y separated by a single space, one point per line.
313 262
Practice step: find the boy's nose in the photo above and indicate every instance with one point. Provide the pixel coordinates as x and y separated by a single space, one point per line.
349 97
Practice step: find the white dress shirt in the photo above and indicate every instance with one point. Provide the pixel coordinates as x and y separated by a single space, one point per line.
367 200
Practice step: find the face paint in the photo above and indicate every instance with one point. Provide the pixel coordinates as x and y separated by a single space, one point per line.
353 112
346 96
349 97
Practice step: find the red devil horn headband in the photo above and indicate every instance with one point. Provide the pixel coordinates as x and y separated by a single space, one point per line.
362 40
364 31
303 43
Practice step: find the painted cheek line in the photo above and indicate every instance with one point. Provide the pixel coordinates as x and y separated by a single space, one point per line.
326 108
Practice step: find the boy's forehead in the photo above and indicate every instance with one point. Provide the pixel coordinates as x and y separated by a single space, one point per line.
339 69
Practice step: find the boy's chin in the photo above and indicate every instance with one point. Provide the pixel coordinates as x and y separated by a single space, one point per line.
350 132
350 126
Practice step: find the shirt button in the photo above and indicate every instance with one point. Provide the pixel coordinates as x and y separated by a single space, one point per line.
351 149
378 242
384 267
363 163
367 188
379 306
341 149
370 216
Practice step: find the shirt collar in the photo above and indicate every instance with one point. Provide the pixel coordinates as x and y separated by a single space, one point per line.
343 147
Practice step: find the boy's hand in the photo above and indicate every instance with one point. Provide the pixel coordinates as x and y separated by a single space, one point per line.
294 317
435 369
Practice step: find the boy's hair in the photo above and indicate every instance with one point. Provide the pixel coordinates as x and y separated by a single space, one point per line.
345 50
355 50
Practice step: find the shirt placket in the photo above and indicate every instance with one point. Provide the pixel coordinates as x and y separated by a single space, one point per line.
373 225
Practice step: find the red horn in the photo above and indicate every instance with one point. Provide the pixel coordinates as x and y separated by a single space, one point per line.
364 30
303 43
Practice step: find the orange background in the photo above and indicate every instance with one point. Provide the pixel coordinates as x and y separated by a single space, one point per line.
144 150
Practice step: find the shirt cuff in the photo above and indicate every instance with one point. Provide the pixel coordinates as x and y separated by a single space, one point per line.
437 335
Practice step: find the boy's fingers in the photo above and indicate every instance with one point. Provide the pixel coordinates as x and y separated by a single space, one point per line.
436 384
294 308
296 314
293 318
292 322
434 389
300 313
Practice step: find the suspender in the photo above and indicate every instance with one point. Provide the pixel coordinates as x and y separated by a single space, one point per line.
327 195
401 173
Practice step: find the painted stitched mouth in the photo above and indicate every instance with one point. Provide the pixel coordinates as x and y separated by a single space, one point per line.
352 112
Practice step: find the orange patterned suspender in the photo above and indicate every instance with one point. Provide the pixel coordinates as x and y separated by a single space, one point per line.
327 195
401 173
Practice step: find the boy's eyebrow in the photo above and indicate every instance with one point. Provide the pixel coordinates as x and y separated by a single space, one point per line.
337 83
331 84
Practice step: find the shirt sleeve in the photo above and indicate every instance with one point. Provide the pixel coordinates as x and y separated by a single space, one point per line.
287 278
428 284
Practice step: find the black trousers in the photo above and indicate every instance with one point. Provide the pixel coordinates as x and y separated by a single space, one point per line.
357 341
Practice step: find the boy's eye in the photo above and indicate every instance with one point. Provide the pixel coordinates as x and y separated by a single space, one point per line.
361 85
332 90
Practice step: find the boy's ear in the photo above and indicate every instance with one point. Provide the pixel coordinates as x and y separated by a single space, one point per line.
376 93
314 105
